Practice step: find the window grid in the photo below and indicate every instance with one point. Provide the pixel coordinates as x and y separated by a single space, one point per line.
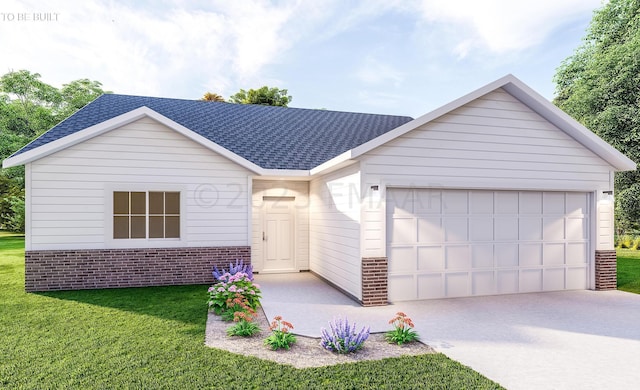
146 215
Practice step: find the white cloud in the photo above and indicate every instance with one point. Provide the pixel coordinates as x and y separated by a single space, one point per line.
154 51
502 25
373 71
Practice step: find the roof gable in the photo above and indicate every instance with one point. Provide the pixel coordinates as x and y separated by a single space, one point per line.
264 136
528 97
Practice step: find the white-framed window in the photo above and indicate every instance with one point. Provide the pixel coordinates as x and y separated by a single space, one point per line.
146 214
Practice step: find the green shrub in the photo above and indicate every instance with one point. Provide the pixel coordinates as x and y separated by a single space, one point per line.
243 328
625 241
14 219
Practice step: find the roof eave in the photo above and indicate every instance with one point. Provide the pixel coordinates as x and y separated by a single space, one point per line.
121 120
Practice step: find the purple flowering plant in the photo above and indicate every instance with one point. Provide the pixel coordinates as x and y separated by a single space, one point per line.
231 286
342 337
239 266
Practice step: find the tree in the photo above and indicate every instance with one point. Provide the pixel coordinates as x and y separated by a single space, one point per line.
264 96
78 94
212 97
599 85
29 103
29 107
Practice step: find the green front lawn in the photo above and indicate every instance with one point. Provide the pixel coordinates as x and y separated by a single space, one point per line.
148 338
629 270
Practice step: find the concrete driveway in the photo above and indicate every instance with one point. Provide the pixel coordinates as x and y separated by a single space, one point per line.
554 340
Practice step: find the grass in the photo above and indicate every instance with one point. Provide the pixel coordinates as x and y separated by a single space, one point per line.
629 270
153 338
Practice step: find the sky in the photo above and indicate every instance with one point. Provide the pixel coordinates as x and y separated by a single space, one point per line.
389 57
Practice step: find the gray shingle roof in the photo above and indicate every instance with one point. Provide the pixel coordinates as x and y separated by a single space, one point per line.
271 137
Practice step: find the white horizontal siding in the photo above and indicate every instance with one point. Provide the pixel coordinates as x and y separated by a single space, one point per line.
494 142
70 190
296 189
334 229
490 142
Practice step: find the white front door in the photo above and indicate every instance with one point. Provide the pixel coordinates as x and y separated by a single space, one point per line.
278 235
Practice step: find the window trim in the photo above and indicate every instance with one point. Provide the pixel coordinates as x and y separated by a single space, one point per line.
146 242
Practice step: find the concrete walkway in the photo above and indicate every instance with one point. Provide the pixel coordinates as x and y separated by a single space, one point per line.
555 340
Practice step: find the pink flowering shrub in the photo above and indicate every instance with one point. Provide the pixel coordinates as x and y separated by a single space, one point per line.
233 286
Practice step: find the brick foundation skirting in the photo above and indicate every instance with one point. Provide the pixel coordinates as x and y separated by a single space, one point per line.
374 281
111 268
606 269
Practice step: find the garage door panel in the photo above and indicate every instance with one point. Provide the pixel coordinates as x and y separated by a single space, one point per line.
453 243
507 281
457 284
553 203
402 288
481 202
483 283
506 202
553 254
530 203
430 286
554 279
427 202
431 258
455 229
576 229
530 280
506 255
480 229
576 278
457 257
403 259
506 228
576 253
577 204
455 202
403 230
430 230
530 255
400 202
482 256
530 229
553 229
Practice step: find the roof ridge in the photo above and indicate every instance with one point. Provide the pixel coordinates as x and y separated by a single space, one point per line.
265 106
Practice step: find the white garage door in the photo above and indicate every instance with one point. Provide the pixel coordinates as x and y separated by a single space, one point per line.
454 243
